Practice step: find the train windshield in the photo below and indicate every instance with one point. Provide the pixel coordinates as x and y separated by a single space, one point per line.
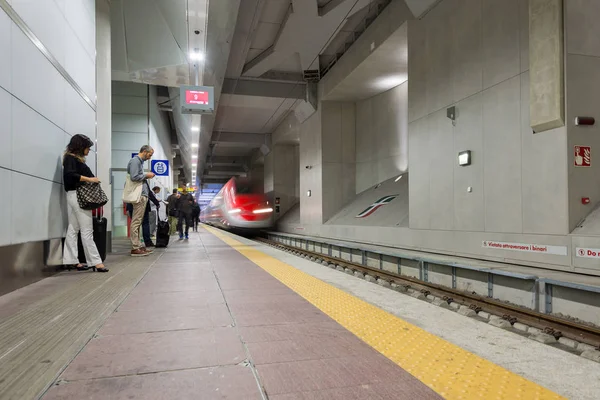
246 187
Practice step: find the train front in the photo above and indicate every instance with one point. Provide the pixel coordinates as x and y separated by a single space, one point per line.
247 206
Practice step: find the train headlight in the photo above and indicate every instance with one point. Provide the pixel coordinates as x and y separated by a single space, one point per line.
263 210
235 211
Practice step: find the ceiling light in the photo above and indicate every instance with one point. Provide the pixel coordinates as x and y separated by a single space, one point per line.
194 145
194 156
464 158
194 165
196 56
195 129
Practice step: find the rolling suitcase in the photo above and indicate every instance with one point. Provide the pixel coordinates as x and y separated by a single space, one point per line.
100 230
163 233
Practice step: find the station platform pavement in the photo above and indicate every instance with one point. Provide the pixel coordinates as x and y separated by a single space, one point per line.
222 317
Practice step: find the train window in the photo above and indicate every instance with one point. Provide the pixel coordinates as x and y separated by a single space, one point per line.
244 188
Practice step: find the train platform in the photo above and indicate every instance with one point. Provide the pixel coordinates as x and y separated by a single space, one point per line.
224 317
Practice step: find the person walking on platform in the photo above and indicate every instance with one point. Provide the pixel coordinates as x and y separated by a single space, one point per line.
135 169
172 210
195 215
184 207
75 173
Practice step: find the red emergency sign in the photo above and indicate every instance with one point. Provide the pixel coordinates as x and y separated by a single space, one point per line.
583 156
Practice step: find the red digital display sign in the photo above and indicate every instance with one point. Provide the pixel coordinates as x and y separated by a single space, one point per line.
196 97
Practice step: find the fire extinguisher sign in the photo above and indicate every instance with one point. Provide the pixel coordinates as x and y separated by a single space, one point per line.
583 156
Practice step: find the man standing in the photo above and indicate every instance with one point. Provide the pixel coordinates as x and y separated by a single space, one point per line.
172 210
135 169
195 215
184 206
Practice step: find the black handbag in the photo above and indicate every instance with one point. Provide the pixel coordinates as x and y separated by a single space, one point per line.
91 196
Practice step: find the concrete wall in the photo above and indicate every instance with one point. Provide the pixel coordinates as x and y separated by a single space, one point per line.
474 56
310 178
40 110
583 97
282 177
381 137
136 122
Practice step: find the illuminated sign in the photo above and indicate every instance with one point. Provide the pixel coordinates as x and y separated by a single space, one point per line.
197 99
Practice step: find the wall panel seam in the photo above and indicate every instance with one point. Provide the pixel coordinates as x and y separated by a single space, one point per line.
30 175
18 21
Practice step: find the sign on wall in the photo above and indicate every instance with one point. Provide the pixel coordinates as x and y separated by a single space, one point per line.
197 99
160 167
583 252
373 207
583 156
526 247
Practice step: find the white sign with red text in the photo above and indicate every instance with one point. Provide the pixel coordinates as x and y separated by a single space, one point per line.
526 247
584 252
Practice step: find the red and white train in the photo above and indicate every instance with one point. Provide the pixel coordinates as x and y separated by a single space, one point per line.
239 205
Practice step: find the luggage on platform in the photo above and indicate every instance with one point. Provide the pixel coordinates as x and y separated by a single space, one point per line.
100 232
163 233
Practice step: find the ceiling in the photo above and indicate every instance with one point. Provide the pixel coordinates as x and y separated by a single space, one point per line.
260 54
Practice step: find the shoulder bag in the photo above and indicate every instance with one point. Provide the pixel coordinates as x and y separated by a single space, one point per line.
91 196
132 194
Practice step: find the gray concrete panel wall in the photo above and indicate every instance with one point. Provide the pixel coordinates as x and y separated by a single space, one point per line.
475 58
381 137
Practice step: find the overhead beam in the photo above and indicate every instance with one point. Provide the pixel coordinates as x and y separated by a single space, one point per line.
236 139
329 7
245 32
263 88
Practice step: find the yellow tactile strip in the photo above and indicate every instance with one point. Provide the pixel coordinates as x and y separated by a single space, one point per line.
452 372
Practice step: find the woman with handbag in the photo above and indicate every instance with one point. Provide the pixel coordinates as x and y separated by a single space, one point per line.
79 182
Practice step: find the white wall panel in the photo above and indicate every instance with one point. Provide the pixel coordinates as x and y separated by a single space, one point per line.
582 28
130 123
366 175
388 168
128 141
35 80
80 117
83 24
502 155
418 142
501 54
47 22
37 144
130 105
5 129
331 132
348 128
6 210
57 212
441 192
80 66
469 207
91 161
467 52
364 131
5 43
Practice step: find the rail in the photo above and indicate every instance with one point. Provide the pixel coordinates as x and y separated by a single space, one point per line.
549 324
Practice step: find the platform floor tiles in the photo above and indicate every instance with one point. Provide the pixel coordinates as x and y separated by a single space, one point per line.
218 317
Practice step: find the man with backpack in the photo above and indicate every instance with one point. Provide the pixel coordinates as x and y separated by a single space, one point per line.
172 211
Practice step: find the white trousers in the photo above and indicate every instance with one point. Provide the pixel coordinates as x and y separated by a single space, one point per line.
80 221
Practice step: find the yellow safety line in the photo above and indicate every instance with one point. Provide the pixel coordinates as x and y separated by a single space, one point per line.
452 372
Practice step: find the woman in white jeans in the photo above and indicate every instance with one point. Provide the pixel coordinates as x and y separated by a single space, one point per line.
75 172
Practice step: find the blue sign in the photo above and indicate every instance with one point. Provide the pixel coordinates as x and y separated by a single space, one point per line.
133 154
160 167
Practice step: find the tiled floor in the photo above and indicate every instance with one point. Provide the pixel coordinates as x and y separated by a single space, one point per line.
207 323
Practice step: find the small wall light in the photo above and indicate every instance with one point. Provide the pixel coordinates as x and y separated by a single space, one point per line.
308 193
464 158
398 178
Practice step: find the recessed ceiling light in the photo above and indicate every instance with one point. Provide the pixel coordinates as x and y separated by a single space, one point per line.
194 156
195 129
194 165
194 145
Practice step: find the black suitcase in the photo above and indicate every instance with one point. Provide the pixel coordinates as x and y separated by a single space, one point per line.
163 233
100 232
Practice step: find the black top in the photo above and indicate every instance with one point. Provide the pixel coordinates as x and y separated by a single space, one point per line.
73 170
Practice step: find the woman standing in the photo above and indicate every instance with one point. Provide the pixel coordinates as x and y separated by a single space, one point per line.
75 173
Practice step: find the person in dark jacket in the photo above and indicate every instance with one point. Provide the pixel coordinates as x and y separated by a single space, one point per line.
184 208
172 211
195 215
75 174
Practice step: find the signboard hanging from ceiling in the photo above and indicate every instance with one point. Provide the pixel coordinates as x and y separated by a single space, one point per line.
197 99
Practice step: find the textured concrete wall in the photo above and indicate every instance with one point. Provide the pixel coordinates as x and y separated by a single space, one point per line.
475 56
381 137
583 99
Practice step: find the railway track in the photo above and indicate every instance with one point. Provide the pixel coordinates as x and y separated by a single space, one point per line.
549 324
